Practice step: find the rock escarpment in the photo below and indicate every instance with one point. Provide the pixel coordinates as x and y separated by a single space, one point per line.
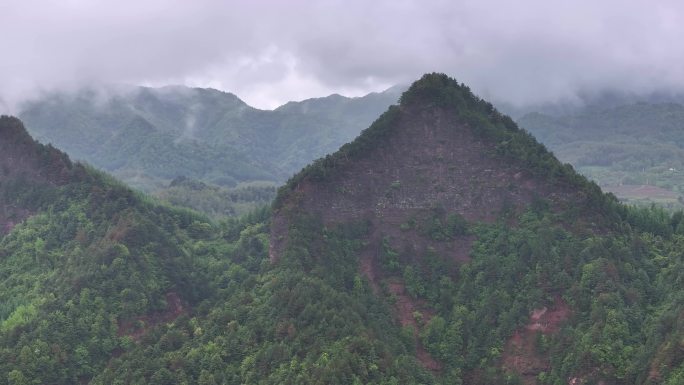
441 151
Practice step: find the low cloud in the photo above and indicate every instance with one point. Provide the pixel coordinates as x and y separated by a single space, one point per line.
269 52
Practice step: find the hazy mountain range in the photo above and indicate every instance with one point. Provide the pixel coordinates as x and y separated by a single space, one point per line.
630 144
147 137
635 150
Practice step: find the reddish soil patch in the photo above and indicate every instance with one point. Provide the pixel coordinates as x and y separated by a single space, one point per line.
6 227
461 248
406 305
10 216
548 320
367 269
407 308
520 352
138 327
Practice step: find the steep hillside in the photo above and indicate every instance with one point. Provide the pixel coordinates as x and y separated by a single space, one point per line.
443 246
506 265
634 150
440 150
100 285
29 172
84 262
148 136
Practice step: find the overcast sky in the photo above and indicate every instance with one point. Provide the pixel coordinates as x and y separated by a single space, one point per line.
269 52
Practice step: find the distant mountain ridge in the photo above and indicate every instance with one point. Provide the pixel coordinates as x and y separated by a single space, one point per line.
637 144
592 102
148 136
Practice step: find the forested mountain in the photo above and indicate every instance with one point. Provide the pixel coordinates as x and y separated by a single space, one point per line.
84 262
504 264
635 150
443 246
150 136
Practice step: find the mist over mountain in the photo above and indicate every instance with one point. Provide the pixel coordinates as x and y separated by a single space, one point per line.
147 137
522 53
588 102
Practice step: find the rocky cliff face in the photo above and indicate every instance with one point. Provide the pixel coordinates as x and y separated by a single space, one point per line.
430 160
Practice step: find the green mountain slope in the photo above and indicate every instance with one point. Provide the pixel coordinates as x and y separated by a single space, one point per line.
442 246
147 136
100 285
635 150
506 265
83 258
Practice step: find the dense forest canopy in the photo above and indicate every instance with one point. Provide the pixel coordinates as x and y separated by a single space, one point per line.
100 284
149 136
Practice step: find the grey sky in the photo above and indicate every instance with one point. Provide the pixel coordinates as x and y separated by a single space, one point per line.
269 52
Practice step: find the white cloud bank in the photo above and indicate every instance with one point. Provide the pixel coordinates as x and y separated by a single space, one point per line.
269 52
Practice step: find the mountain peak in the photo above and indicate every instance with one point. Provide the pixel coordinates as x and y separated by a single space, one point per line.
440 162
437 88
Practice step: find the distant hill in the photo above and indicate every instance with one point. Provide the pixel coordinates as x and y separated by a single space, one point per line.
148 137
624 148
589 102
